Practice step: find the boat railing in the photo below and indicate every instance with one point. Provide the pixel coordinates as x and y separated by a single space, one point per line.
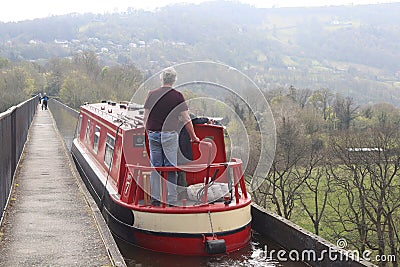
137 182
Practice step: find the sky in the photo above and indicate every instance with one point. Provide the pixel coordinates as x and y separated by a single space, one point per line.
18 10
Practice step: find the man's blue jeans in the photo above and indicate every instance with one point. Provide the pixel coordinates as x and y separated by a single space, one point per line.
163 152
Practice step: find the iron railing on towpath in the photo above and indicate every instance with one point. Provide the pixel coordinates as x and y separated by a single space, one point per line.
14 127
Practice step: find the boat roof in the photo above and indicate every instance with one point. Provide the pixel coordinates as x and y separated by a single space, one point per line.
129 114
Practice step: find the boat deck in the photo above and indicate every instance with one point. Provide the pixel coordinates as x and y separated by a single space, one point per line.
49 221
183 203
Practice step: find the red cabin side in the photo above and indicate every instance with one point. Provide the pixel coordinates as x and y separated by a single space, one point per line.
101 140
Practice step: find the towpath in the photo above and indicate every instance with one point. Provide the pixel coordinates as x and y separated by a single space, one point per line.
50 220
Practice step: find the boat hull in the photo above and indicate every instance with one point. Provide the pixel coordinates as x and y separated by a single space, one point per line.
147 229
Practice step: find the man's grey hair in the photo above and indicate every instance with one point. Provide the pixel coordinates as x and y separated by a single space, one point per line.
168 76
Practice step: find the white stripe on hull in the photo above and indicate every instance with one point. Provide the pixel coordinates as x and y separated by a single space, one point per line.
192 223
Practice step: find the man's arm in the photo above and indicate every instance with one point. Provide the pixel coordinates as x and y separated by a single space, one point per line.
189 126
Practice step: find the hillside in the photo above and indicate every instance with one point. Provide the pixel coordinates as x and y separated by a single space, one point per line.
352 50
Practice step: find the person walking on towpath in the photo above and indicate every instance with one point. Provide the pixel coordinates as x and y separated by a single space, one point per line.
45 98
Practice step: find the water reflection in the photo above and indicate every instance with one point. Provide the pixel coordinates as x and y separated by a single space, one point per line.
66 119
252 255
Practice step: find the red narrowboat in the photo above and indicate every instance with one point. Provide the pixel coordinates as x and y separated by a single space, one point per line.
111 154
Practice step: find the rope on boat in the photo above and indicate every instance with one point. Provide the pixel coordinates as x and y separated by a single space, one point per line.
212 229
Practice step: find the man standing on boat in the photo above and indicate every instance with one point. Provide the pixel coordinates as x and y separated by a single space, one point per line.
163 108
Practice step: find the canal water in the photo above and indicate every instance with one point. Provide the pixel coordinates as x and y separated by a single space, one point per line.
66 119
256 254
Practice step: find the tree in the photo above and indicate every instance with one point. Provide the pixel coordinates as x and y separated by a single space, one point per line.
17 83
56 70
317 186
345 110
77 89
287 175
300 96
372 159
121 81
88 63
322 100
350 177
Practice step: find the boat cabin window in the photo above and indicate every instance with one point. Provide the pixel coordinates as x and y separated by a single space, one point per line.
78 129
96 139
87 132
110 142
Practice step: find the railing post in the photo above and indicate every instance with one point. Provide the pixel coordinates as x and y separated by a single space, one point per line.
13 135
147 188
164 177
235 182
242 183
